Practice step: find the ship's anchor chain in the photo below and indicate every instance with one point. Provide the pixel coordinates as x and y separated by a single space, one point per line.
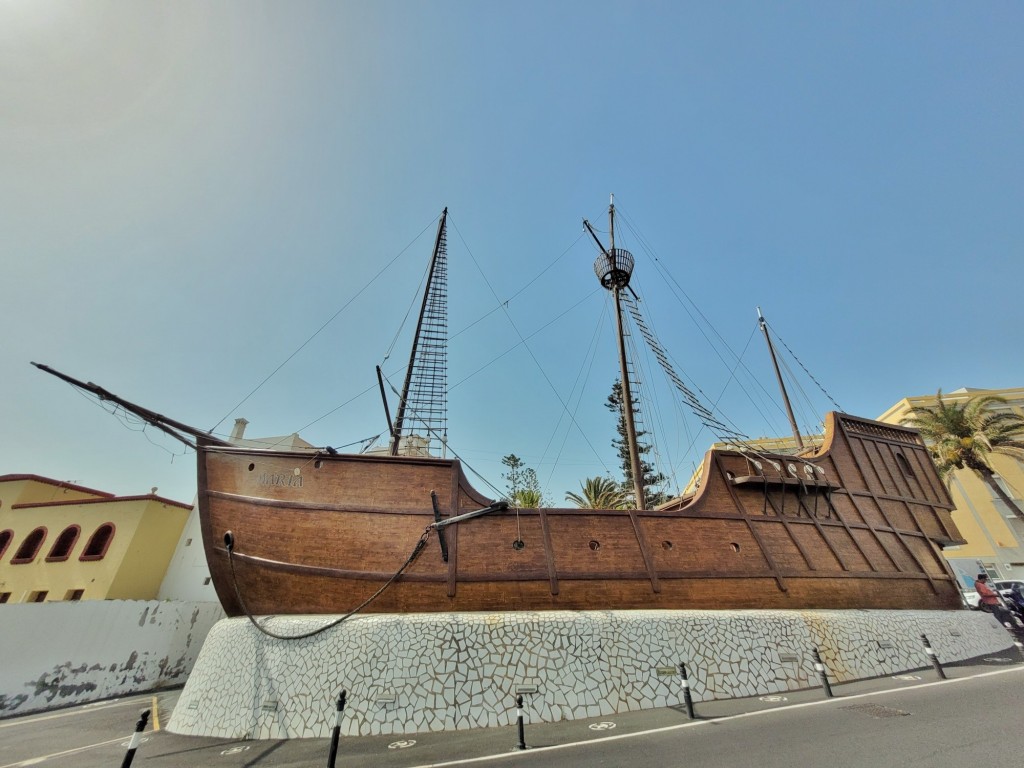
229 544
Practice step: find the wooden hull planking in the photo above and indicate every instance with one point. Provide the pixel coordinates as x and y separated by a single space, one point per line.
859 524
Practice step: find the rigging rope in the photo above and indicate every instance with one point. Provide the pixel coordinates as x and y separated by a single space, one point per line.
643 395
129 421
408 311
700 320
515 295
804 367
522 340
701 411
725 434
330 625
321 328
529 350
590 355
677 290
466 464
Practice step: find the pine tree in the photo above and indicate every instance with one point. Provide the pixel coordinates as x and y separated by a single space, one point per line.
651 479
522 484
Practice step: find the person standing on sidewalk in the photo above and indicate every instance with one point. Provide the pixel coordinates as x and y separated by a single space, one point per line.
989 600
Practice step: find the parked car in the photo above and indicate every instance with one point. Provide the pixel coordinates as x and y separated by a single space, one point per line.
1004 585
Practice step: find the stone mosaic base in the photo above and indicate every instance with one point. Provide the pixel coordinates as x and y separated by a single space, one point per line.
432 672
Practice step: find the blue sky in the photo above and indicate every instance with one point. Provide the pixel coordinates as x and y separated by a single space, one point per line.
190 190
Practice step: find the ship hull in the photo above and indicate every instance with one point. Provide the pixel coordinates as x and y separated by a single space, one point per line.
859 524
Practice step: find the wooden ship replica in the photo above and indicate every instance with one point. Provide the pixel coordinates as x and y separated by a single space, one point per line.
858 522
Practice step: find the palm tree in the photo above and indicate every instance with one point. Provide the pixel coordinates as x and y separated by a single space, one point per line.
599 493
527 498
963 434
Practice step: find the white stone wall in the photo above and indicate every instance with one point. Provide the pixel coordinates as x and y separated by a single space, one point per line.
57 654
432 672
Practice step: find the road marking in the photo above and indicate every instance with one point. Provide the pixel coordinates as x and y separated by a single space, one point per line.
69 713
76 750
604 726
713 721
156 715
402 744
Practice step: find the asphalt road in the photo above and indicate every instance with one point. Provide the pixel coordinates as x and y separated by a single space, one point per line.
976 717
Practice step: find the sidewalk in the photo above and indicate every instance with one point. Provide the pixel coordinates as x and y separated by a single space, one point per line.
424 749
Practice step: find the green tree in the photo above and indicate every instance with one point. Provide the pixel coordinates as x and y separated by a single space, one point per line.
522 484
528 498
599 493
651 479
962 435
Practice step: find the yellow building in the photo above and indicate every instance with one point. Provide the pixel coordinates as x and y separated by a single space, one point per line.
60 541
994 534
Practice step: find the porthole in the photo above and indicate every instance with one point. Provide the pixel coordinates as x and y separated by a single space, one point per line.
317 464
904 464
252 467
595 545
666 545
734 547
518 544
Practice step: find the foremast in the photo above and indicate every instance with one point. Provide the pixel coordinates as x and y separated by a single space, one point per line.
425 391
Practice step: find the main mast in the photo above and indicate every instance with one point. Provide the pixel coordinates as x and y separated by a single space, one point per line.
614 267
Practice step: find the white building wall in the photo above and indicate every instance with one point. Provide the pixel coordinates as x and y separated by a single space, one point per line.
188 576
58 654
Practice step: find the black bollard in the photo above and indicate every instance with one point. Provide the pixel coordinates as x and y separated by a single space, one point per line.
686 692
932 657
336 733
819 667
519 722
136 739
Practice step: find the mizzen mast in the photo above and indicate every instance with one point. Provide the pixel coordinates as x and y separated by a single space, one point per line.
778 375
614 267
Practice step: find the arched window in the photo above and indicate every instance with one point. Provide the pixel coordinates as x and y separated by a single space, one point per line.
29 547
5 540
61 549
98 543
